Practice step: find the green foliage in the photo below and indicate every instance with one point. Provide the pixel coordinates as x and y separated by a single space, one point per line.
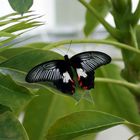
115 99
50 107
51 115
74 125
10 127
15 26
21 6
13 95
101 6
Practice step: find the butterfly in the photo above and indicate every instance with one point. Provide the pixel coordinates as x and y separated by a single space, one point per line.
60 72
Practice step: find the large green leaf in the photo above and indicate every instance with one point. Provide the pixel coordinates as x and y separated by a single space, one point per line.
10 128
20 63
81 123
47 108
12 95
115 99
18 75
21 6
28 59
102 6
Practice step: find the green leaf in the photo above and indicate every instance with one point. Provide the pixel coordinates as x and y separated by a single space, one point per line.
122 6
21 6
14 25
19 65
138 35
10 128
81 123
34 56
7 16
102 6
18 75
12 95
114 99
4 109
11 52
86 137
5 34
17 18
11 15
21 26
47 108
2 59
5 42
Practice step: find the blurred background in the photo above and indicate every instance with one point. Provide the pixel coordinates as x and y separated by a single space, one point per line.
64 19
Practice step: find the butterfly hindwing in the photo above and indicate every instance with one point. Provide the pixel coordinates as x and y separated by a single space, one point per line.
56 71
85 63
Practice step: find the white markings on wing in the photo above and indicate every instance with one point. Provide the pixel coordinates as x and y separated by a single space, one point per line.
46 73
91 61
66 77
81 73
92 64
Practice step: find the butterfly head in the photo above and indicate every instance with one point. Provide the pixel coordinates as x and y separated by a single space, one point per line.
66 58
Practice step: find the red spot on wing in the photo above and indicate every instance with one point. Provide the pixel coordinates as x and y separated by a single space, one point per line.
72 86
85 87
78 78
72 81
80 83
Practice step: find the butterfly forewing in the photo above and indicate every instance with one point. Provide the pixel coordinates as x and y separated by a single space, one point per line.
48 71
85 63
56 71
90 61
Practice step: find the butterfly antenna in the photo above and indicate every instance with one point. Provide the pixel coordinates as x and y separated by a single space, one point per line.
69 47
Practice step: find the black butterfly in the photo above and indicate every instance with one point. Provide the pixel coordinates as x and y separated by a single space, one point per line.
60 71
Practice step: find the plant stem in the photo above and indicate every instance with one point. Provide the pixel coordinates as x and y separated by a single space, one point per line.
114 43
133 124
114 32
134 38
126 84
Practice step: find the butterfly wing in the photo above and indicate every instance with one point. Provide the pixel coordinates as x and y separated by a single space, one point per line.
56 71
85 63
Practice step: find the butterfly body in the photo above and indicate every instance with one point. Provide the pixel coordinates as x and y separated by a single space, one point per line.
61 74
